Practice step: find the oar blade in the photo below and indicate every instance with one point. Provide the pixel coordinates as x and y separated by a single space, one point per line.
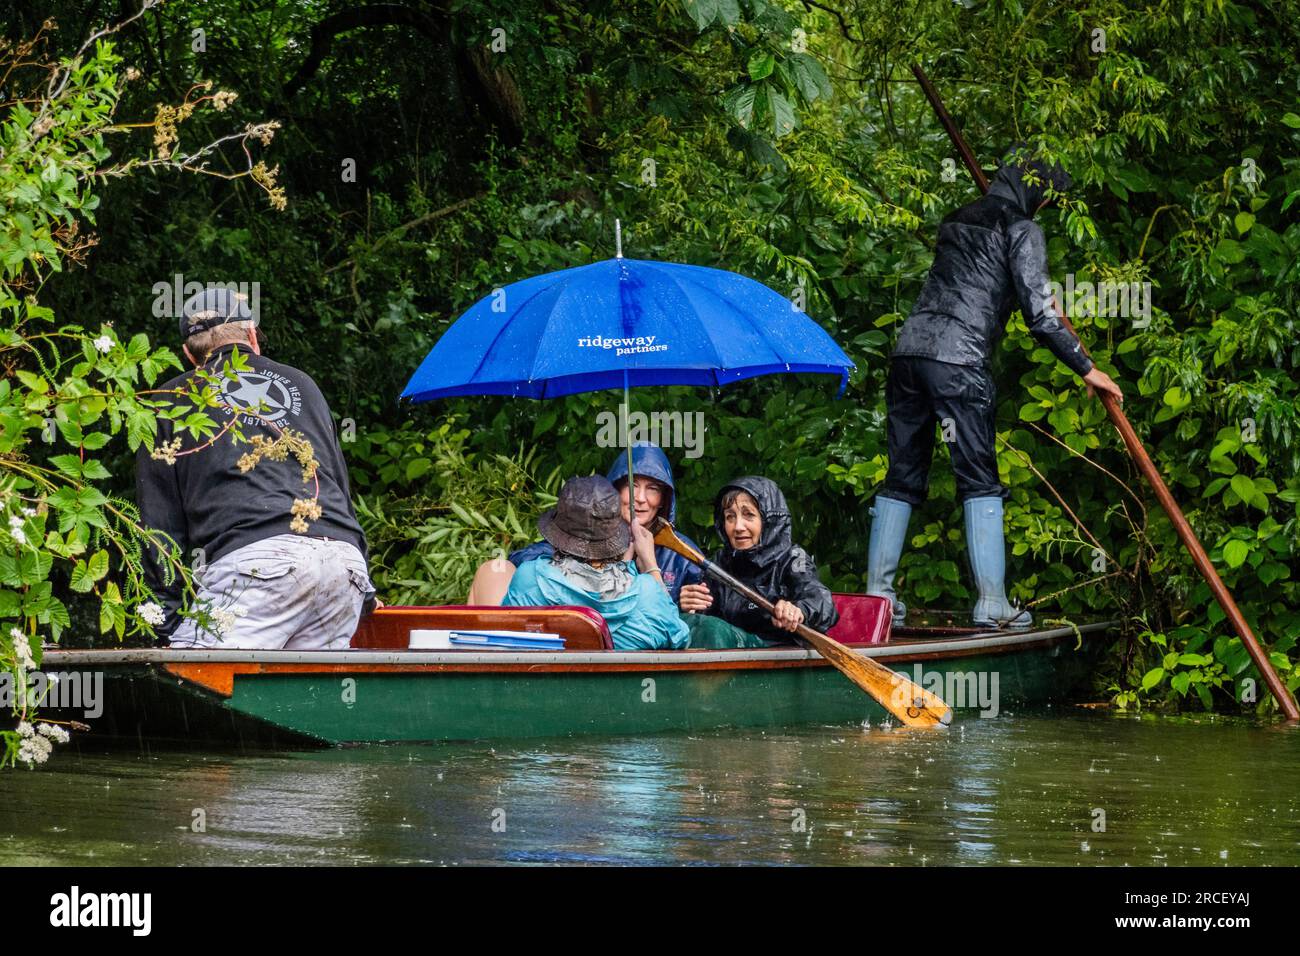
914 706
910 703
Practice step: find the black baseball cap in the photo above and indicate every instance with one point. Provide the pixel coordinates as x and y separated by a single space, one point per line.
212 307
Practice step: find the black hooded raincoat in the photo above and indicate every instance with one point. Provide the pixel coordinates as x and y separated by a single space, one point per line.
990 257
776 568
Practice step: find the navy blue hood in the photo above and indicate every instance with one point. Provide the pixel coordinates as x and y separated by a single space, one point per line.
647 459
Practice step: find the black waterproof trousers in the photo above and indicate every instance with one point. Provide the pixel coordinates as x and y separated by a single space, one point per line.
960 399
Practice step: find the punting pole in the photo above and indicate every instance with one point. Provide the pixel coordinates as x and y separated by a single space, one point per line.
1139 454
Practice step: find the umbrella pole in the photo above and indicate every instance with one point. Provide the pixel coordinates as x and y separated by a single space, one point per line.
627 403
627 443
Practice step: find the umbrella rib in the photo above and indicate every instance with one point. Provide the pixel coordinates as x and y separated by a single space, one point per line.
717 359
504 325
747 320
532 368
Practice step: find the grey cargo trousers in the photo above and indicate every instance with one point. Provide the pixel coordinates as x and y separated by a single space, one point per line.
285 592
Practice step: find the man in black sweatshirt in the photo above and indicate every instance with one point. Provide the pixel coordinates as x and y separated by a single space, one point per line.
267 525
990 258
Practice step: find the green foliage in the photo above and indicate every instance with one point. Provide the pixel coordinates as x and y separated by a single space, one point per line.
444 510
68 541
67 391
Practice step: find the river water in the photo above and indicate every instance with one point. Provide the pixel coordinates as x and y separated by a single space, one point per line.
1072 788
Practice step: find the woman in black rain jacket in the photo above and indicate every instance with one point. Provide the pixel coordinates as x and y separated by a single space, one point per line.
752 519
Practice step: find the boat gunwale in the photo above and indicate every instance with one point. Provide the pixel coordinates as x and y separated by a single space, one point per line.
988 642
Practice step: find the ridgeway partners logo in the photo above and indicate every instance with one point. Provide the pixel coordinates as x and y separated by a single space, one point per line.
626 346
77 909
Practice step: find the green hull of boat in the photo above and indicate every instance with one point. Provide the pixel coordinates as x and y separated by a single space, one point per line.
358 705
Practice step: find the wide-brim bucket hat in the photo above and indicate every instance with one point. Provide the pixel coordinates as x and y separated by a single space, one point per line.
587 520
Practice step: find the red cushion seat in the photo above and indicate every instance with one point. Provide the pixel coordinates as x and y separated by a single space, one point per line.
864 619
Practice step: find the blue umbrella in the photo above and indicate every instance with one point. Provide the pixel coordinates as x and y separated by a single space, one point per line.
623 322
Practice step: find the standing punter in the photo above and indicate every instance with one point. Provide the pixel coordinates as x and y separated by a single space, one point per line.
990 256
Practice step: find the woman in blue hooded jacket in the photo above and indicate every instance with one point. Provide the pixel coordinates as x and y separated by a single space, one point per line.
655 494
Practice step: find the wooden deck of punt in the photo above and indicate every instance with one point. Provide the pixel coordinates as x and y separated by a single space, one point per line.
375 693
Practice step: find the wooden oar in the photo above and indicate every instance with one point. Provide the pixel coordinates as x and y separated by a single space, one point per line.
1139 454
913 705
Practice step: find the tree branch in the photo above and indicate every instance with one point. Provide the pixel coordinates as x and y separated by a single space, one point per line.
374 15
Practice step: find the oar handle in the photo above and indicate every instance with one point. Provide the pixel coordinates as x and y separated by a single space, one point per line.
722 577
803 630
711 569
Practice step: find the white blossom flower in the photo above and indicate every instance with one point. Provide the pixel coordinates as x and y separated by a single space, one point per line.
151 613
35 750
22 649
223 622
29 512
24 729
18 535
54 732
15 521
104 344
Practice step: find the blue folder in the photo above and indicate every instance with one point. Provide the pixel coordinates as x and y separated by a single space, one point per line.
516 639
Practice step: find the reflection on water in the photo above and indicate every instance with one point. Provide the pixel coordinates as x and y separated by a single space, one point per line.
1031 789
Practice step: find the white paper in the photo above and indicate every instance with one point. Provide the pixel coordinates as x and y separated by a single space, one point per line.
425 640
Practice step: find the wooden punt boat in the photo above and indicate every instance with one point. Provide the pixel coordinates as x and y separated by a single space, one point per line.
381 690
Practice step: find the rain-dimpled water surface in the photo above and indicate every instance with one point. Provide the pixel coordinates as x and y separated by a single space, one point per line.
1077 788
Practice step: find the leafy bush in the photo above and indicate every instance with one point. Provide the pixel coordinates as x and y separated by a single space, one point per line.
444 510
69 390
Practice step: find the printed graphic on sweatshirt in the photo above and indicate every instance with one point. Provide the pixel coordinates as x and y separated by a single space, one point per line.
271 395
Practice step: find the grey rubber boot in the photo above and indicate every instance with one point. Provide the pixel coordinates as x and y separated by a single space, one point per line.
888 534
988 560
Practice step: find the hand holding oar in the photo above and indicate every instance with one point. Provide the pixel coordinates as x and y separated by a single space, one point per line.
912 705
